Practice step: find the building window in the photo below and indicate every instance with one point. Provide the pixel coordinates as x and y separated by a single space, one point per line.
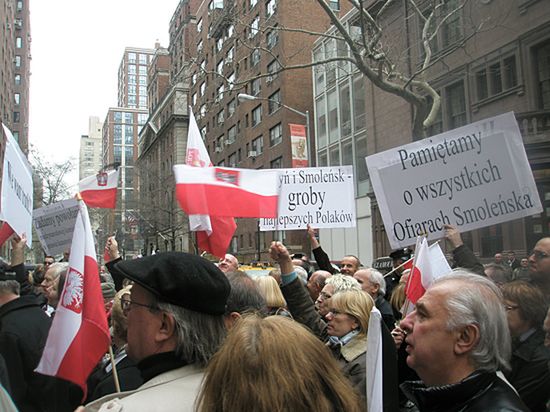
132 79
272 69
194 99
20 5
271 39
129 157
230 30
194 78
202 88
256 115
542 62
345 111
219 67
199 25
231 106
219 92
17 79
117 117
258 145
321 127
220 118
143 80
363 182
496 77
270 8
333 125
232 160
449 30
128 117
334 5
255 57
18 42
131 58
16 117
143 70
17 98
132 69
275 135
276 163
359 104
232 134
117 134
319 70
256 87
253 3
254 27
143 59
229 56
274 102
129 134
17 61
453 109
231 81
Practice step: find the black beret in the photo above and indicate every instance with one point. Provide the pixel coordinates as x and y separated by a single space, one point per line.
181 279
404 254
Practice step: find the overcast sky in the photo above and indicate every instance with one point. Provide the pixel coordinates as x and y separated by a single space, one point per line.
76 50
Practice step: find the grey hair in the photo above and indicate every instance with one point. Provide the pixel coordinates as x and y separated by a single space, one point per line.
9 287
58 268
377 278
479 302
301 273
342 283
199 335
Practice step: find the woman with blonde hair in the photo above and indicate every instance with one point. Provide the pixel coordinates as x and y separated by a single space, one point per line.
348 323
262 366
274 300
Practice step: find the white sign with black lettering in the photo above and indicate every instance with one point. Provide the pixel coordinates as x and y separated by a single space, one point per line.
323 197
54 225
471 177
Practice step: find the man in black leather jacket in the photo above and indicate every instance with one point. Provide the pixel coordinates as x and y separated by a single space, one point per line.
457 338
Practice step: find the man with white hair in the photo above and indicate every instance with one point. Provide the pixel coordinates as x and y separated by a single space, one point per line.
373 283
229 263
457 338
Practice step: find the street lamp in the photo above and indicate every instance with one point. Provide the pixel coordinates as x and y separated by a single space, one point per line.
243 97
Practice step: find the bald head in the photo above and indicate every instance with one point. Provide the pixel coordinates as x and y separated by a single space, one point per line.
228 264
371 281
317 282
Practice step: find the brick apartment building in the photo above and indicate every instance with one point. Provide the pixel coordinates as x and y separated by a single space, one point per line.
241 48
479 73
15 60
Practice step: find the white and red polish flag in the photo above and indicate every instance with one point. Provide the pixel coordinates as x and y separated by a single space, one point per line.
100 190
224 191
214 233
79 335
429 264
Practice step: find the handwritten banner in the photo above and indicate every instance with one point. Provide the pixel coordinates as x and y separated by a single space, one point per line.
472 177
323 197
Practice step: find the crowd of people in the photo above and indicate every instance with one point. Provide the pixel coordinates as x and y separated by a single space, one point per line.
192 335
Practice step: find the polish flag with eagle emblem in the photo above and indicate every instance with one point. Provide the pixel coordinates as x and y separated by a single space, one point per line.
100 190
79 335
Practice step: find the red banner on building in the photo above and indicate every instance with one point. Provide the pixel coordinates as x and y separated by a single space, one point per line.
298 143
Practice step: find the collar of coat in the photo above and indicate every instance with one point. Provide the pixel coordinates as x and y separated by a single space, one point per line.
354 348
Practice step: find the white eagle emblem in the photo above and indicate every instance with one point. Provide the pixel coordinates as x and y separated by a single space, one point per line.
73 291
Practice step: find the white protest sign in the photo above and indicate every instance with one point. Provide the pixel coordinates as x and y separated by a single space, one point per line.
323 197
471 177
17 190
54 225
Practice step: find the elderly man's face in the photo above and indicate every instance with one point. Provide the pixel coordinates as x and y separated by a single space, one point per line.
430 345
539 262
228 264
371 288
48 281
349 266
143 325
498 258
323 301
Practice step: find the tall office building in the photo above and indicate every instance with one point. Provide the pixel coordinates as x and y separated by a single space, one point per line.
120 141
241 48
90 159
15 42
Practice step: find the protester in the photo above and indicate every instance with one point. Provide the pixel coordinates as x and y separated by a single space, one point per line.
334 284
175 325
398 257
101 381
348 266
302 309
23 331
244 298
317 282
228 264
463 257
499 274
274 364
50 284
498 259
522 272
512 261
529 374
274 300
539 266
457 338
373 283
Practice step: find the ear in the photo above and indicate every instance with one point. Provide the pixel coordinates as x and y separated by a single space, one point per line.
167 327
231 319
467 339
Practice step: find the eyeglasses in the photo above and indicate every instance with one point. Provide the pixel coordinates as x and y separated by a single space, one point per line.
126 304
538 254
509 308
